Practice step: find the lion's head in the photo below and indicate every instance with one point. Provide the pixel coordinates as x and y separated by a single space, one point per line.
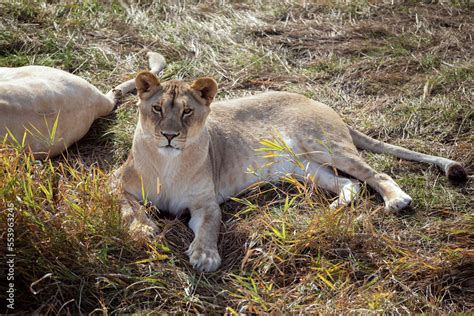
173 113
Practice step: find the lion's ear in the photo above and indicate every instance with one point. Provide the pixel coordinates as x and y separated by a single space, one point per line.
147 84
207 87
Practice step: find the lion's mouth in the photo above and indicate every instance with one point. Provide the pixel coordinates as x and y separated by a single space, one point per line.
170 147
169 150
167 146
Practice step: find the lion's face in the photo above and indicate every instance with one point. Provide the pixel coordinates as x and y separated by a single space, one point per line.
173 113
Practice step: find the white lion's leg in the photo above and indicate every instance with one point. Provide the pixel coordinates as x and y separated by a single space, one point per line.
135 219
205 223
395 198
352 164
349 191
325 178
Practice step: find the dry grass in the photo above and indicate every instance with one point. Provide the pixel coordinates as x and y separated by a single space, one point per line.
402 73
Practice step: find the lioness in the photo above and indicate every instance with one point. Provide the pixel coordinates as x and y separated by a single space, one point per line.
186 157
51 109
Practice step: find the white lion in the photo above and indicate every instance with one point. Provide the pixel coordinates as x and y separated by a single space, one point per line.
48 109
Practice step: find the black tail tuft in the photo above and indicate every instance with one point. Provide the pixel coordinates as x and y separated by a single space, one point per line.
457 174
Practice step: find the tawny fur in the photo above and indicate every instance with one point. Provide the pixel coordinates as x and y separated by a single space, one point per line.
201 157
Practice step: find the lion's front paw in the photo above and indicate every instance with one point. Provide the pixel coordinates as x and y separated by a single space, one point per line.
142 230
203 259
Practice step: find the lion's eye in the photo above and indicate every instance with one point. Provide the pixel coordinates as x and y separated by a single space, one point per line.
156 109
187 111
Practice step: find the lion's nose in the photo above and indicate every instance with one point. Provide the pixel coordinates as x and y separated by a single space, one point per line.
169 136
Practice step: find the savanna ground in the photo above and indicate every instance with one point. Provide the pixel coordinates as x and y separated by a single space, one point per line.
401 72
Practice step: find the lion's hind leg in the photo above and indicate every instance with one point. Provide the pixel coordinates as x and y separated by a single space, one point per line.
351 163
325 178
394 197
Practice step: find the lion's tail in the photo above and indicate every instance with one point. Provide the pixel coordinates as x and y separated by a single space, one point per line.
157 63
454 171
